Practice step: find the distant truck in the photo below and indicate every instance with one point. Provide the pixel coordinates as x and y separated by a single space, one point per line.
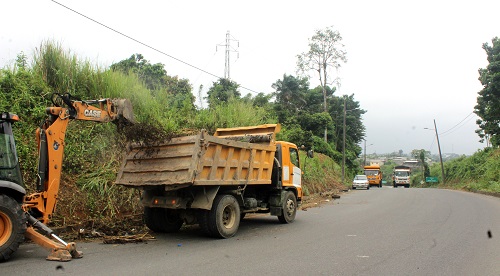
374 175
215 180
401 176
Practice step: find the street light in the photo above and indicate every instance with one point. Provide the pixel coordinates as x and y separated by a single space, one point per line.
364 159
439 149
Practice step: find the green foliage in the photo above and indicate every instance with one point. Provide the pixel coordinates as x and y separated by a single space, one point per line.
234 113
326 52
326 148
93 151
222 91
488 101
152 75
478 172
321 173
23 94
387 170
290 97
296 135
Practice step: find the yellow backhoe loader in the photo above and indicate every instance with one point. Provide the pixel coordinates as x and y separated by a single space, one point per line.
25 216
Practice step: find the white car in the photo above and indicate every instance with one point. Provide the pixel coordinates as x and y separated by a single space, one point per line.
360 181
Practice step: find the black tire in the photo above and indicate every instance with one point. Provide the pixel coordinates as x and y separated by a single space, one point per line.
354 188
203 222
289 208
407 186
223 219
368 188
162 220
12 226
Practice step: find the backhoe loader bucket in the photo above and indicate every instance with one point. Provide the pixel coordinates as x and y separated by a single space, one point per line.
123 108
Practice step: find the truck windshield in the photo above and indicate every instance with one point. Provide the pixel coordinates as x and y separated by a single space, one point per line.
371 172
401 173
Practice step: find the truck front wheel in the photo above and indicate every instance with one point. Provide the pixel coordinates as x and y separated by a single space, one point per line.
12 226
162 220
224 218
289 208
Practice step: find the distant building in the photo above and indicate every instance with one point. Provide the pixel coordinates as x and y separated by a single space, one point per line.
412 163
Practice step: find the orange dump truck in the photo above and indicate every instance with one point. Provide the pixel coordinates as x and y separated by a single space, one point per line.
214 180
374 175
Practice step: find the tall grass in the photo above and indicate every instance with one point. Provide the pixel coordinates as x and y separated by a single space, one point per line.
478 172
321 174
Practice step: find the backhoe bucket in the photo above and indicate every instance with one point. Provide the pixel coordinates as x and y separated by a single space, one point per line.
123 108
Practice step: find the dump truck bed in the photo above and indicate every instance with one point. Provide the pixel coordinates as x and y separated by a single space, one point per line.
233 156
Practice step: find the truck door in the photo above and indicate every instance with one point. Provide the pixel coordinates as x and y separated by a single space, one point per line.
292 174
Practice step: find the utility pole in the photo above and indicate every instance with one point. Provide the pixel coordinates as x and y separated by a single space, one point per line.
439 149
364 159
343 146
228 49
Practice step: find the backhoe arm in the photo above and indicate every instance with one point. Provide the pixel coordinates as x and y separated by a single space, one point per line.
50 138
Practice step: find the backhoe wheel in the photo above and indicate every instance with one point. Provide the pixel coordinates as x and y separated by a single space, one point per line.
223 219
12 226
289 208
162 220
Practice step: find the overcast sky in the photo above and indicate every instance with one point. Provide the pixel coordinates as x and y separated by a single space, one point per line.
409 62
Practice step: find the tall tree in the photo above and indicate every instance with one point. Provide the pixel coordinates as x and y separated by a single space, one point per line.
488 101
326 52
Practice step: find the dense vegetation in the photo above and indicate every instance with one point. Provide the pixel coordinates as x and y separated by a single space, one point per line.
93 151
478 172
488 101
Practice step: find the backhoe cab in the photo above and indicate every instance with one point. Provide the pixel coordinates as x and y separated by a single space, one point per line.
24 215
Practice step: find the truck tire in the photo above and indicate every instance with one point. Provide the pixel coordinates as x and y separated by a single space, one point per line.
162 220
223 220
12 226
289 208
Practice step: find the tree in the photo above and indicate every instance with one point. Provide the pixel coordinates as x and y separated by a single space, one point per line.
355 130
153 75
222 91
421 155
326 52
290 92
488 101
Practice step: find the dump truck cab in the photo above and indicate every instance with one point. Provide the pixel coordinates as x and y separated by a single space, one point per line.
401 176
288 155
374 175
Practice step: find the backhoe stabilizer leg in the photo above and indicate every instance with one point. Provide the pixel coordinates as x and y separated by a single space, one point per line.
60 250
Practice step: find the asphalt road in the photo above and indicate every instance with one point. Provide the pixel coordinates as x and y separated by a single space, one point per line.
381 231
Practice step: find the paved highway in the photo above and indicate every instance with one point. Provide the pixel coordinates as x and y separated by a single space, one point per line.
381 231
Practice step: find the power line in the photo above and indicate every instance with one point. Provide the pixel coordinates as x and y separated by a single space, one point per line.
449 130
144 44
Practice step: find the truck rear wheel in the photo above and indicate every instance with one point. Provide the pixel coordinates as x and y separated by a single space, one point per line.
162 220
223 220
12 226
289 208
